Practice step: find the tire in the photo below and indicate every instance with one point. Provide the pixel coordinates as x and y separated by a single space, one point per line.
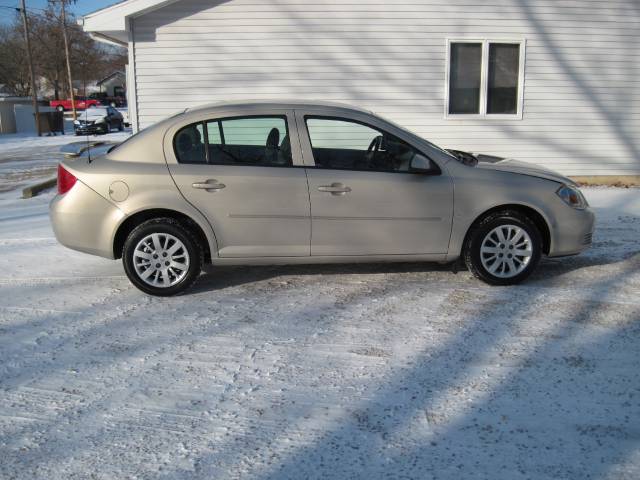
169 279
496 259
121 127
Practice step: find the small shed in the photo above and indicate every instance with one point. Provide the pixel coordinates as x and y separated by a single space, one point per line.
7 112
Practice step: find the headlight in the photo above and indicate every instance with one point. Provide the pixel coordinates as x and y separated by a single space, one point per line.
572 196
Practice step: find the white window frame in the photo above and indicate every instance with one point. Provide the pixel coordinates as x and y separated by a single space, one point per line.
484 83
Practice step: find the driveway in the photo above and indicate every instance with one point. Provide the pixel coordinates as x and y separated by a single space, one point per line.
375 371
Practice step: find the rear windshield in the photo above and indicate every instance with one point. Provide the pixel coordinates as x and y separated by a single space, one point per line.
135 135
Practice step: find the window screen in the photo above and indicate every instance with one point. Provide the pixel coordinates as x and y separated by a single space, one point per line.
464 78
502 93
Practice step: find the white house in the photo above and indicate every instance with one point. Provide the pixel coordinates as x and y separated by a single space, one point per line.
555 82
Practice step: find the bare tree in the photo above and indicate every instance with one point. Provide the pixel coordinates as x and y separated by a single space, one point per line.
32 75
65 37
89 60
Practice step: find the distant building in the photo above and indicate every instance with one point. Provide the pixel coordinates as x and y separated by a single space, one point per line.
113 85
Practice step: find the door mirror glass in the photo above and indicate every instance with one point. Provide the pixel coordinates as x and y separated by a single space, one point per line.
421 164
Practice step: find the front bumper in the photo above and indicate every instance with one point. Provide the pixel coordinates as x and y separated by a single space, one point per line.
573 232
85 129
85 221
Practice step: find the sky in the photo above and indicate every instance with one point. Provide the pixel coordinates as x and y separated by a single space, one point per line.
81 7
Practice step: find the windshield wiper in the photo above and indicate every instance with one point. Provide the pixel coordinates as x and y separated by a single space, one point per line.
466 158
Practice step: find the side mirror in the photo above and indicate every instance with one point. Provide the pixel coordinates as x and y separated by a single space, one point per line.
421 164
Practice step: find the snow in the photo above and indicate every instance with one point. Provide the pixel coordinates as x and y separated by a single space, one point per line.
343 371
27 159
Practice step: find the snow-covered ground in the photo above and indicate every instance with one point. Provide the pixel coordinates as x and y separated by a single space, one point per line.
27 159
371 371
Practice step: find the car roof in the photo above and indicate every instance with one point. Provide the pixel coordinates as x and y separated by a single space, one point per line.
284 105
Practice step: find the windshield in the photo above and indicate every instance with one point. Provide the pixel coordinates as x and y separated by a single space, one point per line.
432 145
95 112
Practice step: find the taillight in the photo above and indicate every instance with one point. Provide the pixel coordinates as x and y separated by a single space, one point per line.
65 180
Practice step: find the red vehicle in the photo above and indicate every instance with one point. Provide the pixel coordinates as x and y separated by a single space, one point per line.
81 104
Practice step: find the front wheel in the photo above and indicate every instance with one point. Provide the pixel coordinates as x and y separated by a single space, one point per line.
503 249
162 257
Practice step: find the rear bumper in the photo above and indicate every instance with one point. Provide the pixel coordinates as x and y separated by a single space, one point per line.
572 233
83 220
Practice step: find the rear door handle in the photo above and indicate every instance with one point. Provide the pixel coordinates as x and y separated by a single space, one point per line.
209 185
335 189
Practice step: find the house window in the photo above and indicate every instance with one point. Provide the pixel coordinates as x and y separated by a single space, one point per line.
485 78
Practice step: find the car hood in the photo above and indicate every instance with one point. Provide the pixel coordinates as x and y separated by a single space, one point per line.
91 116
488 162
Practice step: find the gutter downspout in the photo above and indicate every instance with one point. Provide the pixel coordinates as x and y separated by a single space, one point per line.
132 90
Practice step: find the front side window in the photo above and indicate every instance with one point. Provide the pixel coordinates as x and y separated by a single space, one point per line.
339 144
484 78
247 141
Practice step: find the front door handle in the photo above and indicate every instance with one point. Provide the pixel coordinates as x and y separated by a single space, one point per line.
335 189
209 185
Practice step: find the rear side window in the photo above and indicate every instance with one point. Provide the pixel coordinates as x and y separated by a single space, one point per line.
190 145
248 141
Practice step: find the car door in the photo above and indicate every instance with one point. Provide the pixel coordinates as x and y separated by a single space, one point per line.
365 198
245 174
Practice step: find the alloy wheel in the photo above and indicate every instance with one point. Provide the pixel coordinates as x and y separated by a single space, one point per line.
506 251
161 260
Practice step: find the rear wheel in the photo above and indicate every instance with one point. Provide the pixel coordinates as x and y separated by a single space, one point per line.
162 257
503 249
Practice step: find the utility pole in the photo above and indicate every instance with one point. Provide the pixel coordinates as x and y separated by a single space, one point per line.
63 16
34 91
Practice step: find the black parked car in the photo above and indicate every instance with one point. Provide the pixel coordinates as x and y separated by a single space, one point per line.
99 120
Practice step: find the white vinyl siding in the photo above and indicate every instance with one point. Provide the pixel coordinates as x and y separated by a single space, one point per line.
580 112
